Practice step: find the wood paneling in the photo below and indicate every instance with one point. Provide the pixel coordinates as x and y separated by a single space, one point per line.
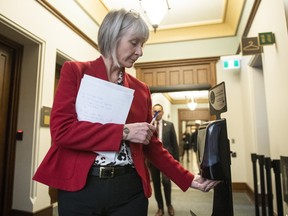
178 72
189 115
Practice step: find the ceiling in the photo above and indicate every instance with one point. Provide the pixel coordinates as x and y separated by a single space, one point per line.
185 20
183 97
181 13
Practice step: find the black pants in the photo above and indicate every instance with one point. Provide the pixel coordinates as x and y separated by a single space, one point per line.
185 150
118 196
157 178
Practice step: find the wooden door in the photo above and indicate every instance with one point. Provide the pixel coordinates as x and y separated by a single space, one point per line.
189 115
5 77
10 55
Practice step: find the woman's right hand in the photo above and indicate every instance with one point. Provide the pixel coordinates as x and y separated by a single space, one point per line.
138 132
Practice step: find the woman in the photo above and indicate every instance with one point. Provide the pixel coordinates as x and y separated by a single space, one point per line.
77 164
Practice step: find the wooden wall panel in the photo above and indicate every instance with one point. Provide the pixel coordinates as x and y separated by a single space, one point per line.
147 77
188 115
188 75
178 72
174 76
203 74
161 78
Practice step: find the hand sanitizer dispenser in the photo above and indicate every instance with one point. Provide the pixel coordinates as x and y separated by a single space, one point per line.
214 163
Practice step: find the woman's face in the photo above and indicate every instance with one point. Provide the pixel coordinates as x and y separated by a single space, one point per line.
129 49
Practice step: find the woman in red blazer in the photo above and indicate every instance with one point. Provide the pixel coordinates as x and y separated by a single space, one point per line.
90 182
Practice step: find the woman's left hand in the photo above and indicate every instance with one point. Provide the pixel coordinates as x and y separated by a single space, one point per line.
203 184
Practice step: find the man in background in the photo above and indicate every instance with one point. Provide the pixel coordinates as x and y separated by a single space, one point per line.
166 134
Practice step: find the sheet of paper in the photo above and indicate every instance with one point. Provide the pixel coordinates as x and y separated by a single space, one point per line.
102 101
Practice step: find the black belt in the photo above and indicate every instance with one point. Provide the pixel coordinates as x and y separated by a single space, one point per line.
110 172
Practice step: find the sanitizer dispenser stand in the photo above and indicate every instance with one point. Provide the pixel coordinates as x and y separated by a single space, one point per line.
214 156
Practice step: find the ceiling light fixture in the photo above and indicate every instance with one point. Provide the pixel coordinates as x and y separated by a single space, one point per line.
155 11
192 104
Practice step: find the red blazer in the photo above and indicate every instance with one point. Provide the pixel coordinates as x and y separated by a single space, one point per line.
67 163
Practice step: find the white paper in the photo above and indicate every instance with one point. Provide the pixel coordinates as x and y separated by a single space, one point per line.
101 101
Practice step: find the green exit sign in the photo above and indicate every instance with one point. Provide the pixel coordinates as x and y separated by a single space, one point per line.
266 38
231 63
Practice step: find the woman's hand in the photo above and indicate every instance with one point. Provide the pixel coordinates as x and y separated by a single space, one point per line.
203 184
138 132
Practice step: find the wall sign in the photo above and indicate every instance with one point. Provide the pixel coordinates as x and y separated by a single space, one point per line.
217 100
250 46
266 38
231 64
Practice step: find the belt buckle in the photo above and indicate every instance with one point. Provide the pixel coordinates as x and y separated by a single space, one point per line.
106 172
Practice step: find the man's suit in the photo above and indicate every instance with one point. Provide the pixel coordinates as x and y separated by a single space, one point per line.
169 140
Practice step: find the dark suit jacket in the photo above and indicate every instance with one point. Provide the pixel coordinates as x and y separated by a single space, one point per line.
68 161
169 139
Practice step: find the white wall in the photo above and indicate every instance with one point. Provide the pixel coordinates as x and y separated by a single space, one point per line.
275 74
190 49
234 117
